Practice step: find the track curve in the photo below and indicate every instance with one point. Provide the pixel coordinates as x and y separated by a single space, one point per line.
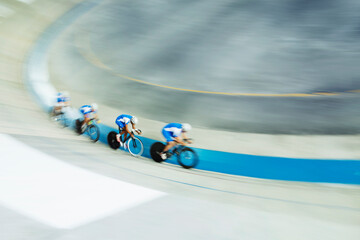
251 208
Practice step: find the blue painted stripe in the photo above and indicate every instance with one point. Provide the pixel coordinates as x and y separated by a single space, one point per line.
278 168
290 169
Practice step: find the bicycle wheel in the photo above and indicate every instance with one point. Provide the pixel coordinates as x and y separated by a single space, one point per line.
78 126
65 122
93 132
135 146
58 119
188 158
113 143
155 149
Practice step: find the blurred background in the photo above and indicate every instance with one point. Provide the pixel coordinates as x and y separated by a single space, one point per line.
286 66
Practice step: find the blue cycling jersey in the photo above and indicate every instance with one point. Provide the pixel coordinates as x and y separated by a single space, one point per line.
172 130
123 120
61 98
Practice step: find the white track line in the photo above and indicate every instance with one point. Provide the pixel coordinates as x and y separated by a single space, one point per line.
59 194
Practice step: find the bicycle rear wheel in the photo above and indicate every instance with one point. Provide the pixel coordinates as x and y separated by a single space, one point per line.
155 149
65 122
188 158
59 119
113 143
94 132
78 126
135 146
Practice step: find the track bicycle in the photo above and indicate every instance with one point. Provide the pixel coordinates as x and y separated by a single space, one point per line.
186 157
133 144
60 118
91 129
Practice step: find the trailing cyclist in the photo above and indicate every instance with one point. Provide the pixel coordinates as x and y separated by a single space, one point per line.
62 101
123 122
89 112
174 133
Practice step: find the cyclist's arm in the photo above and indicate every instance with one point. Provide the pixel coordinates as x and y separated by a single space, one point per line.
179 141
86 117
186 138
133 127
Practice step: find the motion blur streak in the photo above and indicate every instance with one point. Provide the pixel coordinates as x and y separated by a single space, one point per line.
82 41
302 56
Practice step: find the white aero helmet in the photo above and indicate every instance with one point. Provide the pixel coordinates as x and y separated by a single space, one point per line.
134 120
186 127
94 106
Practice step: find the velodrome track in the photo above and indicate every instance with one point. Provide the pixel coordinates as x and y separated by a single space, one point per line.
185 204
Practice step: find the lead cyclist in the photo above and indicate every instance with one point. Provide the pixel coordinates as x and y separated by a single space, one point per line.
174 133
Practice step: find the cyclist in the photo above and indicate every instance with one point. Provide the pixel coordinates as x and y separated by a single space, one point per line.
174 133
123 122
89 112
62 101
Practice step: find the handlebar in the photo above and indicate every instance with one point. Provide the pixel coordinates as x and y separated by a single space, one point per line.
134 131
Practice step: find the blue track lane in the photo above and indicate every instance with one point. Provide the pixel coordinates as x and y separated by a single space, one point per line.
290 169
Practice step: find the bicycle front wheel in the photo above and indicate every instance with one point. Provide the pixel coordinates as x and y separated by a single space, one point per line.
94 133
135 147
59 119
188 158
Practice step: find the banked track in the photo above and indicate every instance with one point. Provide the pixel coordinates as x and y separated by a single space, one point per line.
332 171
228 206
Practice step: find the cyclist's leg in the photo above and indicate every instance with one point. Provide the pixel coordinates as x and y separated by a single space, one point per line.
85 120
118 136
52 111
170 143
57 109
121 127
125 134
